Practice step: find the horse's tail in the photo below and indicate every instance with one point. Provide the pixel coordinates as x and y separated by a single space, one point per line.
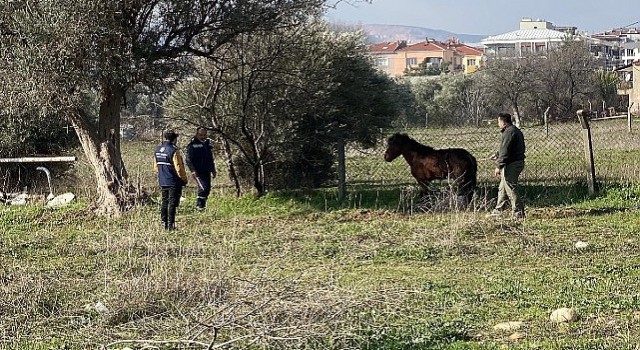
470 177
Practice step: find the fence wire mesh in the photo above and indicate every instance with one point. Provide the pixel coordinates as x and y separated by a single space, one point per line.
555 154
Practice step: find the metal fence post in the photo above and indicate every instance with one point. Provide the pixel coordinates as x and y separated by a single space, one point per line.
342 169
629 116
588 151
546 122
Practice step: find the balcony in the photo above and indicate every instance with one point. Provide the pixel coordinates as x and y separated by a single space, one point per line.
625 85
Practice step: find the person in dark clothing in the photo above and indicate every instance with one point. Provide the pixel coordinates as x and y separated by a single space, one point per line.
172 177
201 164
510 163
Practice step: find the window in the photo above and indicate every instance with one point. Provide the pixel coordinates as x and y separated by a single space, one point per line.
412 61
471 62
382 62
629 52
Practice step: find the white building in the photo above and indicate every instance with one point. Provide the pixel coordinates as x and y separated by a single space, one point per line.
630 52
533 37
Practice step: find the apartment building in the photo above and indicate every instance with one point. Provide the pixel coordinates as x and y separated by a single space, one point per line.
628 87
398 58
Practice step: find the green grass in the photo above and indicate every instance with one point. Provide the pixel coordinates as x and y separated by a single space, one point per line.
303 270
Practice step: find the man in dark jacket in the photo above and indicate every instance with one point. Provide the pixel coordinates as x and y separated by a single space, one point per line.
510 163
201 164
171 177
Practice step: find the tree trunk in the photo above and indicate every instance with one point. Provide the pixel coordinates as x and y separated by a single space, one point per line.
101 145
233 175
258 178
516 115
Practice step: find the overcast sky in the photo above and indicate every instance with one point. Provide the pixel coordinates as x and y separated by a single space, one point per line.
490 17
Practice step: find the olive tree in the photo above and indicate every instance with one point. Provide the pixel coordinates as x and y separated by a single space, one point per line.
567 78
512 79
55 52
283 100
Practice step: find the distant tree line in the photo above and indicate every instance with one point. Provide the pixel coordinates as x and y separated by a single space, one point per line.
563 81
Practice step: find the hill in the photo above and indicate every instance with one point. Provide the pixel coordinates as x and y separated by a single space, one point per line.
387 32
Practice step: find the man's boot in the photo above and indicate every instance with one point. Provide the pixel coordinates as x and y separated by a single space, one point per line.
200 204
171 226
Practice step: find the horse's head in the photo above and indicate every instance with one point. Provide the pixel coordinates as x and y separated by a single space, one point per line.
394 146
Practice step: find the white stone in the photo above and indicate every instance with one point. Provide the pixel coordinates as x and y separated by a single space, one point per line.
61 200
20 199
508 326
101 308
516 336
581 244
563 314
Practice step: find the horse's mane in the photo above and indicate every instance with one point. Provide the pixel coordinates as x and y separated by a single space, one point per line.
404 139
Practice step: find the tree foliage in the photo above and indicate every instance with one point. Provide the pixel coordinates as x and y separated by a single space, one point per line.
57 51
567 79
513 80
607 86
561 80
281 100
454 99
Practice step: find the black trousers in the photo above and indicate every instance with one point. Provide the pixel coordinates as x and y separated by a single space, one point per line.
170 201
204 188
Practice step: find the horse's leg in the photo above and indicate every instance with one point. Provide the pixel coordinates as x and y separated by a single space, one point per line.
467 190
457 190
424 187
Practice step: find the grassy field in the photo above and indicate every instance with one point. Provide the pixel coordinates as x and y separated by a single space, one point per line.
301 270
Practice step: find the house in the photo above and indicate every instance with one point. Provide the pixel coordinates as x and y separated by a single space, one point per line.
533 37
627 86
431 53
471 57
397 58
387 58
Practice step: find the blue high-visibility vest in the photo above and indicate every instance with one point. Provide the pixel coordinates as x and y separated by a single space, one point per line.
167 175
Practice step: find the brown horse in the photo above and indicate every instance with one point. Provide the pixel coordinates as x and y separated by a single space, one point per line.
428 163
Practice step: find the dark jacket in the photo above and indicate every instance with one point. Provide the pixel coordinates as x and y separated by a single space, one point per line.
168 163
512 147
200 156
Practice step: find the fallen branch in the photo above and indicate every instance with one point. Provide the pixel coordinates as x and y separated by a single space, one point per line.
156 342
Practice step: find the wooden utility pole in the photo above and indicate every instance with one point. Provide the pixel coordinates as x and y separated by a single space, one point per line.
583 116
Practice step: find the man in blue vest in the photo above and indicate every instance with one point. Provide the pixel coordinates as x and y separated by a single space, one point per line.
201 164
171 177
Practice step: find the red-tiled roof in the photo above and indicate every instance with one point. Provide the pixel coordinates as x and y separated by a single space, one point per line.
467 50
389 46
426 46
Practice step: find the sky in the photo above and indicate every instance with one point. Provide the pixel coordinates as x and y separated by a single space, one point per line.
488 17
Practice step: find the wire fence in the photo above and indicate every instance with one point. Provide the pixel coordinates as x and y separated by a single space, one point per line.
555 154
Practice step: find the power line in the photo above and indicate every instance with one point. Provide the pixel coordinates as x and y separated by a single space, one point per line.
629 25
